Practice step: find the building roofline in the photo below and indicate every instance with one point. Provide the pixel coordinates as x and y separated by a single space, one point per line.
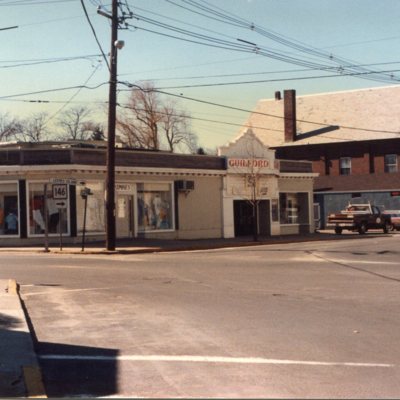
333 92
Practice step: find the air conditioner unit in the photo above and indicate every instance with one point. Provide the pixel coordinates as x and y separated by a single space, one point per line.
185 186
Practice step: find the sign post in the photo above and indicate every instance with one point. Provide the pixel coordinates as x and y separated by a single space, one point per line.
46 220
85 192
60 198
60 191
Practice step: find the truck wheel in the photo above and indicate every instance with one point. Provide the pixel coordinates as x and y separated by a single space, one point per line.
362 228
338 230
387 227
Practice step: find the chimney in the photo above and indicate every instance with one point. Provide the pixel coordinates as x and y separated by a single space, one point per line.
278 95
289 106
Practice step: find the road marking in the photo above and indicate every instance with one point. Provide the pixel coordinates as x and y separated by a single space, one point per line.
312 258
207 359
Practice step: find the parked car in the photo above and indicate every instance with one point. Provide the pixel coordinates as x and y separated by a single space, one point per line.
394 219
359 217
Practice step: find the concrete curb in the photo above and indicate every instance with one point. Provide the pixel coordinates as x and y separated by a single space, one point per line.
169 246
32 374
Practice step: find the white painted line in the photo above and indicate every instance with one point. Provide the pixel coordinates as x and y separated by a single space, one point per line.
60 291
208 359
312 259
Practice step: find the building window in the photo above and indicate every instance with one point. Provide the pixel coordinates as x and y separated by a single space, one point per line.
293 208
57 218
155 207
288 208
95 209
9 211
345 165
391 163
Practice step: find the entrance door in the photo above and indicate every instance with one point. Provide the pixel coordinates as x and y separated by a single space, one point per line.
264 218
124 216
243 218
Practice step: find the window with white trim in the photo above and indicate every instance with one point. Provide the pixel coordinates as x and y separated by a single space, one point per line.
95 208
9 211
391 163
57 218
155 207
345 165
293 208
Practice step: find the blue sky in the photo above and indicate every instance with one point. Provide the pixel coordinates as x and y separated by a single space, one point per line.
363 32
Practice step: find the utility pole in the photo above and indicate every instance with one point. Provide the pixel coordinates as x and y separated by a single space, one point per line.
112 105
112 114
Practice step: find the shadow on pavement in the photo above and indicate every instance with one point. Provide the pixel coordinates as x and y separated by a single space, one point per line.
78 371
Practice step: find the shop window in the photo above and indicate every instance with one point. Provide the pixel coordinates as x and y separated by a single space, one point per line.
391 163
155 207
95 209
57 218
9 212
345 165
293 208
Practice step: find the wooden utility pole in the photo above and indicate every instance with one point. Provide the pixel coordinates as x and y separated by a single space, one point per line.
112 105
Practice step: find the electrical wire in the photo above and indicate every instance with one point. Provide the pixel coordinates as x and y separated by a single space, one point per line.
32 3
74 95
54 90
94 32
299 78
137 87
24 63
213 12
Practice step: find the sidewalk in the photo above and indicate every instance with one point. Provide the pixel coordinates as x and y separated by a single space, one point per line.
19 369
140 245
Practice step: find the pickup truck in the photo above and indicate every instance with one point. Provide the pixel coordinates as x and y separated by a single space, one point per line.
359 217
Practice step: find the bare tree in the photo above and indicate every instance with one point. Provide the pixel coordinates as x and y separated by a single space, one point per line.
76 125
9 127
176 130
33 129
150 123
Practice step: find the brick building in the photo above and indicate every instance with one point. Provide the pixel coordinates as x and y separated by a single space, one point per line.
351 137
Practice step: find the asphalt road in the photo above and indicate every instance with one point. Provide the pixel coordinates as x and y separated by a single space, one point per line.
306 320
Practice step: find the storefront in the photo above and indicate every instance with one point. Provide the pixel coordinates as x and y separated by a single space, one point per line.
61 186
265 195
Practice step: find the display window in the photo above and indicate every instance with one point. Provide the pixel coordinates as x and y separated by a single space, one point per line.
293 208
57 218
155 206
9 211
95 209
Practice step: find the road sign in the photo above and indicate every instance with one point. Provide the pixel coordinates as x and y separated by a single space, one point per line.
60 191
61 204
67 181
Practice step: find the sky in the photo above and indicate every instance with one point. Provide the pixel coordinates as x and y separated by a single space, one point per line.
204 54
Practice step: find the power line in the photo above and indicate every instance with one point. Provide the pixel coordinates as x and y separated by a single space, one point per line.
260 113
32 2
216 13
252 73
299 78
94 33
46 61
73 96
53 90
205 119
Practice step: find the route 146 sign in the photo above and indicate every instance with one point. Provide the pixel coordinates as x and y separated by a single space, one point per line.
60 192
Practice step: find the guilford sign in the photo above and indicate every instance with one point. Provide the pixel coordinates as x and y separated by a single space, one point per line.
252 165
